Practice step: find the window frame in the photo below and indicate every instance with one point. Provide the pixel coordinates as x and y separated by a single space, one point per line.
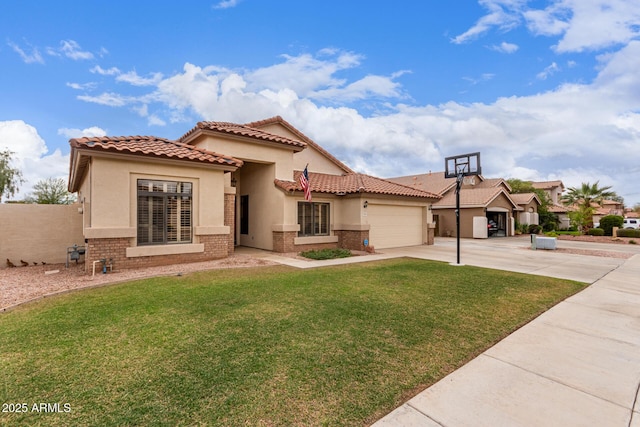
167 207
319 216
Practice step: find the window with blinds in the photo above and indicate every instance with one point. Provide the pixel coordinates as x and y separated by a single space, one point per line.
164 212
313 219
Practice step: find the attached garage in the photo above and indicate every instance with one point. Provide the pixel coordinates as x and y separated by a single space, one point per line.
395 226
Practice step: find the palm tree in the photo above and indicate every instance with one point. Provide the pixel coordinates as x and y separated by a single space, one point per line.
587 194
584 196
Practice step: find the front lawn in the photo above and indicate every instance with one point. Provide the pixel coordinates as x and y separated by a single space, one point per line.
337 345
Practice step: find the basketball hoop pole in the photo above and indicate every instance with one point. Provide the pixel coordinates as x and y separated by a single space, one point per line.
459 180
458 167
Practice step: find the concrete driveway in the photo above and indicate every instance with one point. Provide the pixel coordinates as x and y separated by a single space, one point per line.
514 254
578 364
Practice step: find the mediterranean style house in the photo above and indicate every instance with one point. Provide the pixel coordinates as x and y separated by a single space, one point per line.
487 207
149 201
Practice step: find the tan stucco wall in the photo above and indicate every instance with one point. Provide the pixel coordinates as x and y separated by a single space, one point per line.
111 195
447 221
258 152
317 162
37 233
266 204
533 205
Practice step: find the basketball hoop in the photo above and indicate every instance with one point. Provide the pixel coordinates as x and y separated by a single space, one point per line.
459 167
462 165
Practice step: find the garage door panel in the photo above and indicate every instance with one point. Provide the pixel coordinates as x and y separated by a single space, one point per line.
395 226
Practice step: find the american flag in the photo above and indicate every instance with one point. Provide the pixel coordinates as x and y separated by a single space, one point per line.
304 183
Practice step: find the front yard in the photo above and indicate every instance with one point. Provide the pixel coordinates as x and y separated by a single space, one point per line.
270 346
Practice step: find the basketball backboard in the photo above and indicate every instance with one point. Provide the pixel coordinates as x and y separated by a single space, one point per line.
463 164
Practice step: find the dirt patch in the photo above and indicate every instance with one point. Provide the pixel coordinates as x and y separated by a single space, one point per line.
600 239
589 252
21 284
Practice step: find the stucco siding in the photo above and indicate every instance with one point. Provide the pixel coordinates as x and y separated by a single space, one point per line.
112 194
39 233
317 162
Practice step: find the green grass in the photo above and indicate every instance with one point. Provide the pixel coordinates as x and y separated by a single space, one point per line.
320 254
272 346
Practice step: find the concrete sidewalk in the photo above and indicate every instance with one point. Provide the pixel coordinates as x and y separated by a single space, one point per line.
577 364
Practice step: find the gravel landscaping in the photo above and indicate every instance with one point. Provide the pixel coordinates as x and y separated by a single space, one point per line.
21 284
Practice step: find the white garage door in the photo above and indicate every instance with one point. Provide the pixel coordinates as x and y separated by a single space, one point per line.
394 226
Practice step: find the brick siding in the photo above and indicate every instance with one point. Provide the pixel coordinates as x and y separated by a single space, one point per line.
283 241
229 219
352 239
215 246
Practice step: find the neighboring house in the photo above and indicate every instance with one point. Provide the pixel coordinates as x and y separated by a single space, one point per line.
554 190
630 213
483 201
606 207
528 204
150 201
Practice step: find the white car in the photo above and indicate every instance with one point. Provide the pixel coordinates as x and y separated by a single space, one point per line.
631 223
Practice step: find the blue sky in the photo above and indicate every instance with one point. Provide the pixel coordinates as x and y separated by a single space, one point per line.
544 90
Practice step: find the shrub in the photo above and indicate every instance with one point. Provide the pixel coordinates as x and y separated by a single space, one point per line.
534 229
320 254
628 233
633 242
608 222
568 233
596 232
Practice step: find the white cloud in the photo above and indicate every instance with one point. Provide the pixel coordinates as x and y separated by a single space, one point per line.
503 14
505 47
28 58
580 24
82 86
110 99
113 71
304 73
71 49
226 4
134 79
156 121
572 127
483 78
548 71
31 155
78 133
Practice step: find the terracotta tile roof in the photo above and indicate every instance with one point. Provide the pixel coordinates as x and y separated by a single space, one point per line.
493 182
144 146
472 197
153 147
302 136
431 182
350 184
435 182
242 130
524 198
558 209
547 185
